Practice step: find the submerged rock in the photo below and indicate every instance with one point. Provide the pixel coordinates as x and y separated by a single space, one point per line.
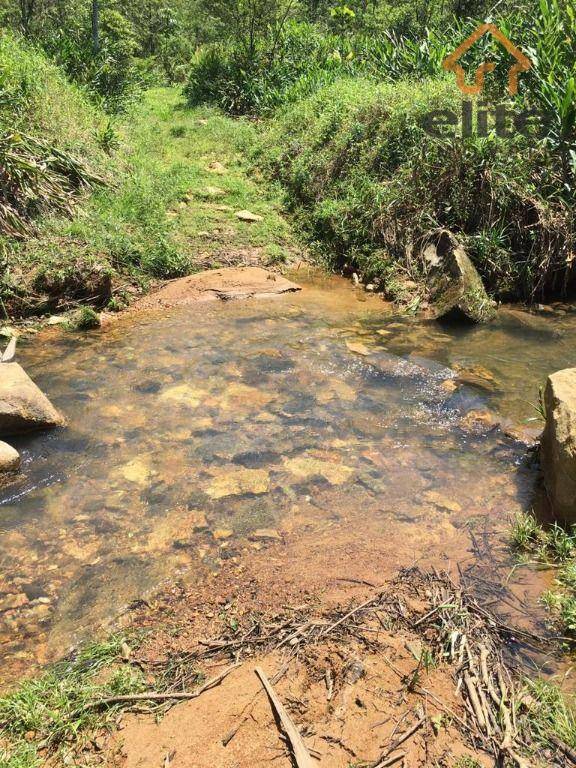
238 483
455 286
9 458
558 453
476 376
265 534
23 407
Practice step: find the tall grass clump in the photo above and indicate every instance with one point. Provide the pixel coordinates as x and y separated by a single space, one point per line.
551 45
555 546
48 147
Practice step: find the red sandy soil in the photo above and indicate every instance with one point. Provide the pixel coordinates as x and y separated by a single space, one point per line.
313 568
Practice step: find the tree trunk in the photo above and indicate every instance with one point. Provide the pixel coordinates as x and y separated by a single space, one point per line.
95 26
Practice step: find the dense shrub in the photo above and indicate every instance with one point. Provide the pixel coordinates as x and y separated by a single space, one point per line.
366 181
303 59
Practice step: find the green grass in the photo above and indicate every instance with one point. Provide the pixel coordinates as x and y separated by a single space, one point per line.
157 219
553 713
36 98
554 546
49 717
50 147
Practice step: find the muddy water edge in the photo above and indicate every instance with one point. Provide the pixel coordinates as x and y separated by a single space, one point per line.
208 433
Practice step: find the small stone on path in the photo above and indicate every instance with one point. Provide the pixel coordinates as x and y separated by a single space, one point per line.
265 534
248 216
213 192
217 167
222 533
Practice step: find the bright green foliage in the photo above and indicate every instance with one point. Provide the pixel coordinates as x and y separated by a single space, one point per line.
552 48
287 60
300 60
554 544
526 535
152 220
366 180
377 181
48 141
36 98
54 706
111 75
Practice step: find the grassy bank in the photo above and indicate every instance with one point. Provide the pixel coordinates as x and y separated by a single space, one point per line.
160 210
50 144
550 547
50 717
366 181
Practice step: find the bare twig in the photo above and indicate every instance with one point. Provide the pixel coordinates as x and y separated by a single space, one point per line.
348 615
391 760
400 740
299 749
153 696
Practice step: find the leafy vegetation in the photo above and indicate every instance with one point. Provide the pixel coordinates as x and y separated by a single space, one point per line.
554 713
365 177
50 715
510 199
367 181
553 546
46 126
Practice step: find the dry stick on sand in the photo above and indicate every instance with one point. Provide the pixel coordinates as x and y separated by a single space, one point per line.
391 760
385 759
153 696
301 754
365 604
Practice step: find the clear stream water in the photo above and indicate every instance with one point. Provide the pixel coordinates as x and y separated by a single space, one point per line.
231 412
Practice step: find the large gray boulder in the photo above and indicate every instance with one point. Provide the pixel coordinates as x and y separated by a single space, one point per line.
455 287
558 453
23 407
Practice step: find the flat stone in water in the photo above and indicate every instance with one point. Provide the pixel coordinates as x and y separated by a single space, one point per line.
238 482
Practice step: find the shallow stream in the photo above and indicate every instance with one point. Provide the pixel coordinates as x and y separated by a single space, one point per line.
217 419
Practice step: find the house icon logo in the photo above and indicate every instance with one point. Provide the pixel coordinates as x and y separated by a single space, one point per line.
451 63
